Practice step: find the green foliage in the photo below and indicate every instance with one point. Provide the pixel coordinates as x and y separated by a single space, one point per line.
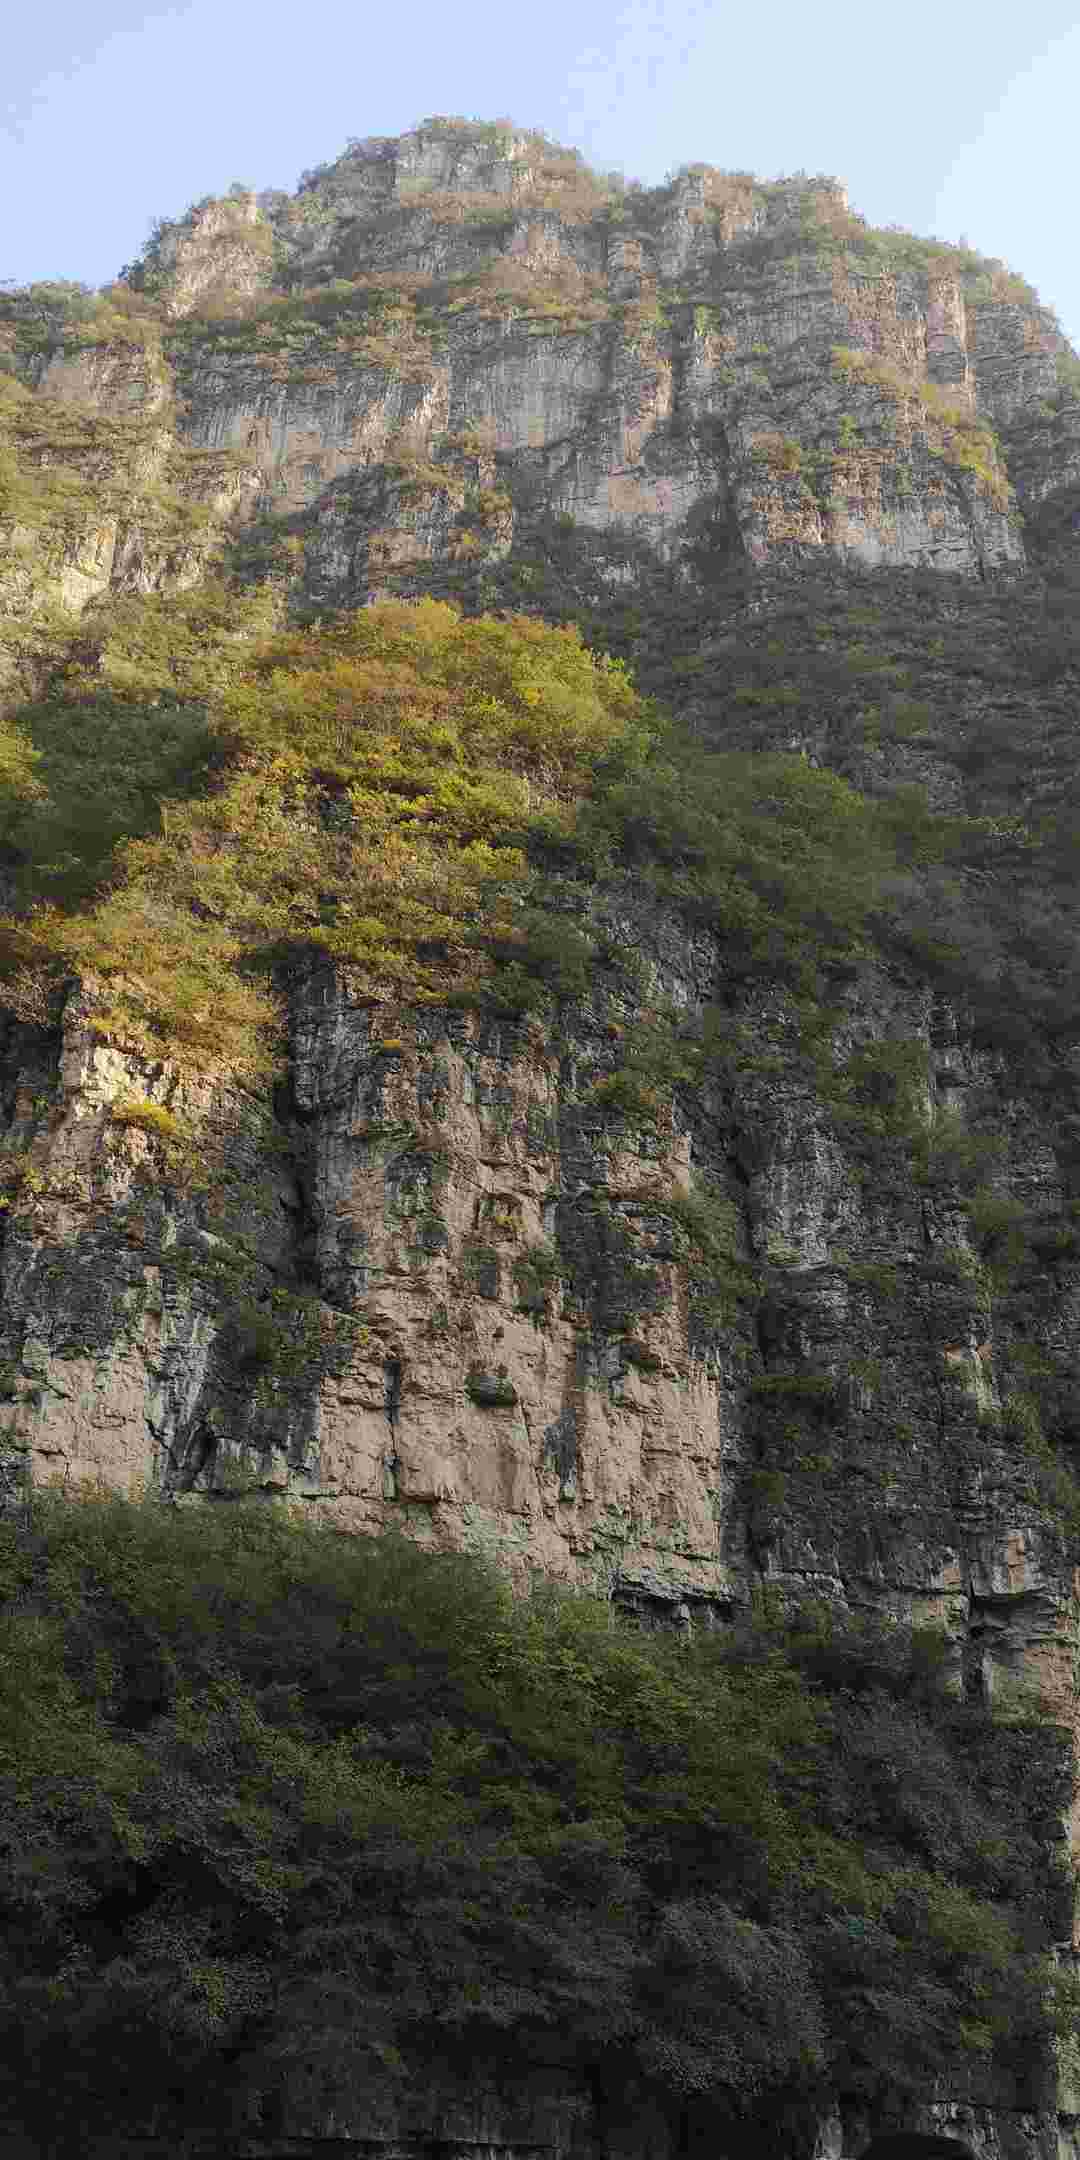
816 1390
540 955
556 300
263 1786
19 760
59 840
149 1117
719 1278
304 334
61 470
283 1339
1067 365
653 1059
819 225
144 282
537 1273
979 900
421 795
627 1094
781 858
780 452
40 318
177 1142
491 1391
366 788
391 788
981 277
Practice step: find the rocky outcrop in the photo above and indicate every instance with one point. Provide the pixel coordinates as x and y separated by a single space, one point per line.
476 1276
655 375
465 1283
99 498
662 364
722 370
546 2112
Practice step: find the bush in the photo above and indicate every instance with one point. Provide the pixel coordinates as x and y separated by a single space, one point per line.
261 1782
376 788
432 741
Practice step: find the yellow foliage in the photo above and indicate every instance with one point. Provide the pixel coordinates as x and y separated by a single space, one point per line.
781 452
19 780
149 1117
377 780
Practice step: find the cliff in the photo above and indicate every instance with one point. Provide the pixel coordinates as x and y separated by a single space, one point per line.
717 1234
440 338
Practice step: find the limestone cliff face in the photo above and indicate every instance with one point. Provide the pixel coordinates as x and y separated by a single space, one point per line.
663 363
449 1286
438 1284
453 1275
667 371
444 336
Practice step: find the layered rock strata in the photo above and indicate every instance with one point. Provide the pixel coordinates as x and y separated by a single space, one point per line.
453 1285
443 337
449 1277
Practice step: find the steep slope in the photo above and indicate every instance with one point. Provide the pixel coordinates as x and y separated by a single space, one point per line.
441 335
439 1086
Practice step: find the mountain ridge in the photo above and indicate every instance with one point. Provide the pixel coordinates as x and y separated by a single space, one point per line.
544 308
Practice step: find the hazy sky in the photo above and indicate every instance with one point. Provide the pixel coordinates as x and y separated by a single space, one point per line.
948 119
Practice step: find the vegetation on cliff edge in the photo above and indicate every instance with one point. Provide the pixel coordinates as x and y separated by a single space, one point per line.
397 789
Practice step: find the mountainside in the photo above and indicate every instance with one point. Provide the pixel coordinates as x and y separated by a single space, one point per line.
604 1097
441 339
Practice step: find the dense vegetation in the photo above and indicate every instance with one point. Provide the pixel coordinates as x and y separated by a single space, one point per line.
420 794
450 805
265 1788
409 791
947 708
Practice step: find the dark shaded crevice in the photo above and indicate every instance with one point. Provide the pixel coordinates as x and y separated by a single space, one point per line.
393 1372
193 1456
103 1927
294 1122
393 1377
304 1230
917 2145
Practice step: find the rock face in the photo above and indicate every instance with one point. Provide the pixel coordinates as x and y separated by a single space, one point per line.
451 1277
452 1286
445 1288
665 367
442 337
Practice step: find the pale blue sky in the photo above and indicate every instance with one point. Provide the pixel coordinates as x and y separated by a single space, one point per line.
949 119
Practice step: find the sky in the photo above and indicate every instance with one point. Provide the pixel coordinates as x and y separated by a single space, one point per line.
947 119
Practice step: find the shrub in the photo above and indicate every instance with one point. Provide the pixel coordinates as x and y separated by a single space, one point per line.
537 1273
434 741
149 1117
627 1095
236 1748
